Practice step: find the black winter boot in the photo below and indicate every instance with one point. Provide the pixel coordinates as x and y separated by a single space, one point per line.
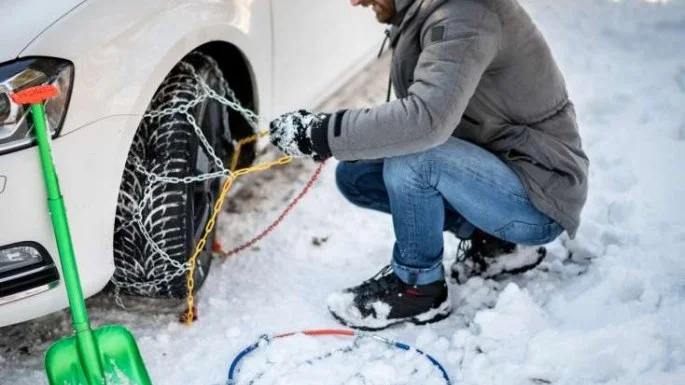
385 300
490 257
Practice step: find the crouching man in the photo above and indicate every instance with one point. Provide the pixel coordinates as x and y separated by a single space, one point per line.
481 141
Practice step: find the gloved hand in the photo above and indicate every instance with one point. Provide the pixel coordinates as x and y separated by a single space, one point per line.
292 133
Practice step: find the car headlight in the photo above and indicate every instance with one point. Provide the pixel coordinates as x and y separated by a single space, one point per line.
15 121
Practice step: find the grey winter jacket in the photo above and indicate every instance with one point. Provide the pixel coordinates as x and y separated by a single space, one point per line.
479 70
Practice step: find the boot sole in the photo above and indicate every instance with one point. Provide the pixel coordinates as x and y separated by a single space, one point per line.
442 313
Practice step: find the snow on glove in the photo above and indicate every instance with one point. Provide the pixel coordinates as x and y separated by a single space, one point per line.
292 133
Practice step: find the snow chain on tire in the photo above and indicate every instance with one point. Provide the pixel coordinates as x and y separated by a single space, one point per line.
151 237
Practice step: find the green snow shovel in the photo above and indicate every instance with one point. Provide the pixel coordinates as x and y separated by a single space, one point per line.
91 356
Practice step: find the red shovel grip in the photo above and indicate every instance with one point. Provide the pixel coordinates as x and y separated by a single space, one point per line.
35 95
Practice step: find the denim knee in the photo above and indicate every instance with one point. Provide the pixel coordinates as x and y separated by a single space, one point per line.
399 171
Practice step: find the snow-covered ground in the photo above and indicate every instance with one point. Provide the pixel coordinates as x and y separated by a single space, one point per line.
613 313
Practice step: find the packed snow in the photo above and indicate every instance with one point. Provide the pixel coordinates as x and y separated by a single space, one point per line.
605 308
349 361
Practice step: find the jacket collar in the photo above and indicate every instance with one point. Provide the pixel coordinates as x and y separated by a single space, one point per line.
401 7
411 8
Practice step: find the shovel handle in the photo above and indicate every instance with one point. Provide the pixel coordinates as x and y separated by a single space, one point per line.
88 349
58 212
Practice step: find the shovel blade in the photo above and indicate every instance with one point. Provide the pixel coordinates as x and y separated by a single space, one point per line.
119 356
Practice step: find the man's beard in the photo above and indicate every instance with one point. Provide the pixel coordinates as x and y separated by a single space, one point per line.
384 14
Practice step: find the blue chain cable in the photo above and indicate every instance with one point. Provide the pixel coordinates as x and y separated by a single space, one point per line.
233 369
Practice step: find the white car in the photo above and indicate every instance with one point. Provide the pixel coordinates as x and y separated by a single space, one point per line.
113 61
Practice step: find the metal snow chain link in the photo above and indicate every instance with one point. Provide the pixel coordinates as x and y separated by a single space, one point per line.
230 100
205 143
191 313
156 178
147 286
153 178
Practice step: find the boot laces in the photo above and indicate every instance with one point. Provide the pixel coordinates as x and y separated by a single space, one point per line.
383 282
463 250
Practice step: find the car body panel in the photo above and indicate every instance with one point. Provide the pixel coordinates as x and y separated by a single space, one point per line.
89 189
121 51
125 56
24 20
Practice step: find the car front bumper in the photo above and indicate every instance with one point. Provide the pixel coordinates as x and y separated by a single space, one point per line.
89 164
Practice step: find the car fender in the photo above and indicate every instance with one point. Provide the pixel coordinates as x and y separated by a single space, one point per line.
123 50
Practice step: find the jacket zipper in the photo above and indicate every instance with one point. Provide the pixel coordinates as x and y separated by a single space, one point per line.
380 53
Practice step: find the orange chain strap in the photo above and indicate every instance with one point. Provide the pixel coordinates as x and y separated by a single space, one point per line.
190 314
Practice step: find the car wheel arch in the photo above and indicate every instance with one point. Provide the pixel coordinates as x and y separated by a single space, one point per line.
243 82
226 54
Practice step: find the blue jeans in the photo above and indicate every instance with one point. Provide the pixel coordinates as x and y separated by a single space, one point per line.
457 186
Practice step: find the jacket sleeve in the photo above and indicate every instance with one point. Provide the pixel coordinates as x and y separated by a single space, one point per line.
446 76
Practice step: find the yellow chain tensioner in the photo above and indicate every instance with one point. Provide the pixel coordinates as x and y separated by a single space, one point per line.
191 314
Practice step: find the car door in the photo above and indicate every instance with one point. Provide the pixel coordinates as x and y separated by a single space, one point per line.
318 44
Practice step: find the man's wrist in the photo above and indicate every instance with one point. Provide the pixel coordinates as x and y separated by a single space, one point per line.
319 137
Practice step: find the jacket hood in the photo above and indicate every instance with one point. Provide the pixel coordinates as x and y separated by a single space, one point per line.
401 6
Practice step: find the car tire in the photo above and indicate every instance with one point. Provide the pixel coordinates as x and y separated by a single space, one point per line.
175 214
